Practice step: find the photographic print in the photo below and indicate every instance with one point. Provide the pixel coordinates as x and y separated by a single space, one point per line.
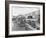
25 18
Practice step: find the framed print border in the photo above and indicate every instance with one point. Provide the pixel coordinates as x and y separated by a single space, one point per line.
7 18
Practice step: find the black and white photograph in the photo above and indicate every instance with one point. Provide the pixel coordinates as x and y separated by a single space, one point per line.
25 18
